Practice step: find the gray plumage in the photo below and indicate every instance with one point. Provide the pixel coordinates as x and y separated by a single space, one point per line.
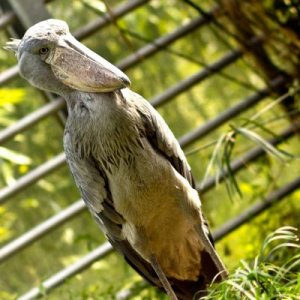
127 164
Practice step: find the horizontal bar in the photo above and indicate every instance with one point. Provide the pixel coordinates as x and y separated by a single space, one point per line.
41 230
187 83
239 163
256 209
32 177
31 119
230 113
7 18
163 41
70 271
118 12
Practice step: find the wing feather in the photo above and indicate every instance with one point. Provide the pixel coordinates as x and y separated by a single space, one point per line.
159 135
94 188
163 140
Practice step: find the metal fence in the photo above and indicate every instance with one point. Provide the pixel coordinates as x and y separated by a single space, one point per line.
16 16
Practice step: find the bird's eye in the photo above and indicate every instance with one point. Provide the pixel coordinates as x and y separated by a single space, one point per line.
43 51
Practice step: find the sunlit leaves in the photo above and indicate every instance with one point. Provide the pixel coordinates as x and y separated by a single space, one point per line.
30 203
8 158
11 96
6 225
7 296
14 157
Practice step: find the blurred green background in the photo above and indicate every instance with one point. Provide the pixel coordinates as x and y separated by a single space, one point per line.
185 112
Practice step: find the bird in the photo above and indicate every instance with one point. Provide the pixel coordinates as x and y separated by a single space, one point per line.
127 164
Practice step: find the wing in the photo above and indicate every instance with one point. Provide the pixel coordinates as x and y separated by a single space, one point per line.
164 142
162 139
159 135
94 189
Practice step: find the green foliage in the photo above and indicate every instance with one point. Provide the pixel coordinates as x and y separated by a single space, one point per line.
273 274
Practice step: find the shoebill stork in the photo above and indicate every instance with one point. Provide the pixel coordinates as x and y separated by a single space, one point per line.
127 164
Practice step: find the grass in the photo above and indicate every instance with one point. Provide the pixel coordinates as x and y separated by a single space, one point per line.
273 274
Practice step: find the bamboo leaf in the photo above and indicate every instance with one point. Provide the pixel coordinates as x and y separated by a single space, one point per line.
269 148
228 148
214 158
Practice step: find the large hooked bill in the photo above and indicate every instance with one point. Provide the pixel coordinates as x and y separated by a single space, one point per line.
80 68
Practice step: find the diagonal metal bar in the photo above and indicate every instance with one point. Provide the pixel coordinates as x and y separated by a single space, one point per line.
105 20
29 14
8 74
41 230
60 277
31 119
162 42
239 163
256 209
187 83
230 113
6 19
32 177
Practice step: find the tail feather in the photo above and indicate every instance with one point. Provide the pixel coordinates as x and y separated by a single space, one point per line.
190 290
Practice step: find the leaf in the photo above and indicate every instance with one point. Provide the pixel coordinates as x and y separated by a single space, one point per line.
97 6
269 148
232 183
239 288
7 173
11 96
261 126
263 278
4 233
214 158
14 157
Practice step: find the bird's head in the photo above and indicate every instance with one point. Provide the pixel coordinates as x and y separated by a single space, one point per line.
51 59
